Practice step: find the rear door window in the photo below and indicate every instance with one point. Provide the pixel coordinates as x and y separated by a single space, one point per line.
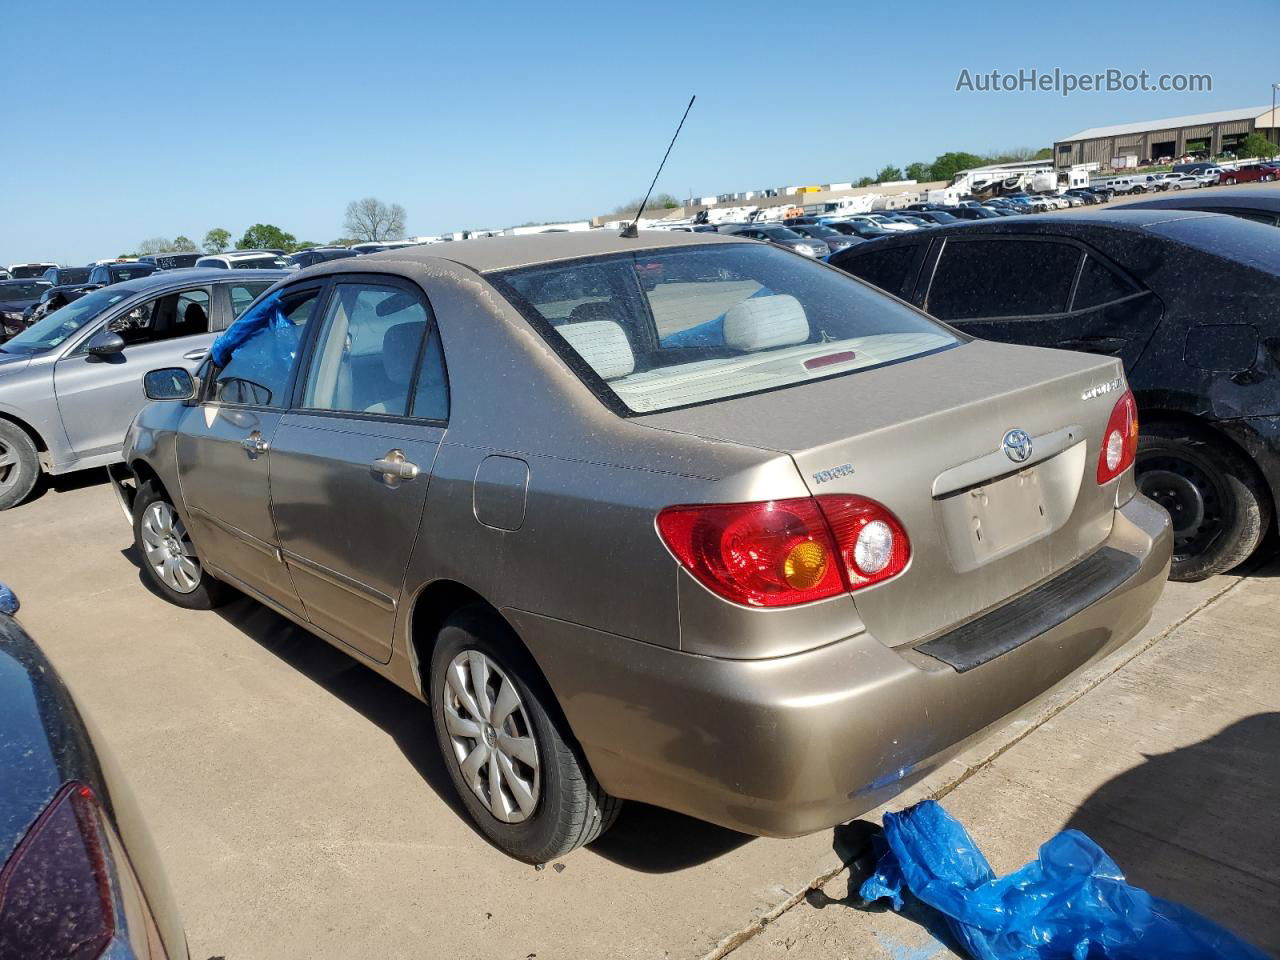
992 278
367 351
244 293
1100 284
890 269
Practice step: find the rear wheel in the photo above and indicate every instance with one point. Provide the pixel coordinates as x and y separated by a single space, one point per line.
169 559
19 464
521 776
1218 501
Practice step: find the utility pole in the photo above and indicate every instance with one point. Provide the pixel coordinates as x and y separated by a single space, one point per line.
1272 132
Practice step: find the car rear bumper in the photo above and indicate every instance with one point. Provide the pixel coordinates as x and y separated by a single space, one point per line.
788 746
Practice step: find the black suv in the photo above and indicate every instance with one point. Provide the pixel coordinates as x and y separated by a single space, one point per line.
1190 302
106 274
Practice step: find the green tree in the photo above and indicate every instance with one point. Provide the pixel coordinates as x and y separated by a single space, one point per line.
865 182
949 164
1256 145
1044 153
217 240
182 244
266 236
919 171
889 174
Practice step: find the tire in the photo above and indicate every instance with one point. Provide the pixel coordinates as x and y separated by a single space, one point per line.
548 802
1177 186
1218 500
19 464
161 539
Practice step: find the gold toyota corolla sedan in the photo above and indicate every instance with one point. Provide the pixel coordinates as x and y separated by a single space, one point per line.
678 518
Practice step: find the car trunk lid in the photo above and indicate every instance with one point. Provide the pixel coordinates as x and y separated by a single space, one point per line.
926 439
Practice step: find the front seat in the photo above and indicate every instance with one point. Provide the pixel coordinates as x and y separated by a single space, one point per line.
399 355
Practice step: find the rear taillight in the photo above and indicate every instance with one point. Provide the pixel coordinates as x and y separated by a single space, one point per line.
1120 442
873 543
779 553
55 891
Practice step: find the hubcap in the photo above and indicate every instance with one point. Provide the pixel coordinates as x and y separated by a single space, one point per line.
8 465
491 736
1191 497
168 548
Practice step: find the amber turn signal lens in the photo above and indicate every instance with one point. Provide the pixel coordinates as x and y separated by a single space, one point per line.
805 565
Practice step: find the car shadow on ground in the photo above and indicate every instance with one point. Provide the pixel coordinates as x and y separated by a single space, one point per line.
645 838
47 485
1199 825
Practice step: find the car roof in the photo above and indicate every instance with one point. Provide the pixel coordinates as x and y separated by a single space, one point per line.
234 254
506 253
1242 198
164 278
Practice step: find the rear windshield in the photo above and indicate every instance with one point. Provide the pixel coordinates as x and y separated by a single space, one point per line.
72 275
22 291
654 330
131 272
260 263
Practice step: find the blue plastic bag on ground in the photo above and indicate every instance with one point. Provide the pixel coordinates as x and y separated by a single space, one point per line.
1071 902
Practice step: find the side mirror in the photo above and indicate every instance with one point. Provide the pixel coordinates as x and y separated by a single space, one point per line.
105 343
170 383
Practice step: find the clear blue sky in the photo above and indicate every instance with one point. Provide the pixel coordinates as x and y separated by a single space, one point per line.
128 121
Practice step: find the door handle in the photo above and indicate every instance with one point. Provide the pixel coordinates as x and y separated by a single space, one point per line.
393 467
254 445
195 356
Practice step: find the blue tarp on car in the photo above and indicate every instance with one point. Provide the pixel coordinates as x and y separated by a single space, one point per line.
1071 903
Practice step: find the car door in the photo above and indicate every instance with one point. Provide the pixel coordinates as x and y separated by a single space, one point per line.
98 396
1044 292
351 461
224 443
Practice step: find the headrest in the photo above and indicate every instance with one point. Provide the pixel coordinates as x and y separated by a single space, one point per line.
594 310
400 350
194 316
604 345
758 323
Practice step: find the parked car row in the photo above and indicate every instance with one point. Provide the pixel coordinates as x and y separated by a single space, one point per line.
38 289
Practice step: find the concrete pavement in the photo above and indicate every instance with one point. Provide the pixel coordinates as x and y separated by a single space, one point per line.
303 812
1172 764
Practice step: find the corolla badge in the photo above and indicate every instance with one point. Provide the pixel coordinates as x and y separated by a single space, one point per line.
1017 445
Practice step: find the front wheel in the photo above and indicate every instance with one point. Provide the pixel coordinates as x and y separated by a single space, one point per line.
508 750
19 464
1214 494
169 559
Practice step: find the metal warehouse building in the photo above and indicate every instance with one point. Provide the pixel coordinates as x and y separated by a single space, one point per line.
1211 133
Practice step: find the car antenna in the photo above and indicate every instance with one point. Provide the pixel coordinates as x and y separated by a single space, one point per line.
629 231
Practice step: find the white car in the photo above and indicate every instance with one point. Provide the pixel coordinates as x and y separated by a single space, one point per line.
245 260
1187 181
1210 176
885 223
